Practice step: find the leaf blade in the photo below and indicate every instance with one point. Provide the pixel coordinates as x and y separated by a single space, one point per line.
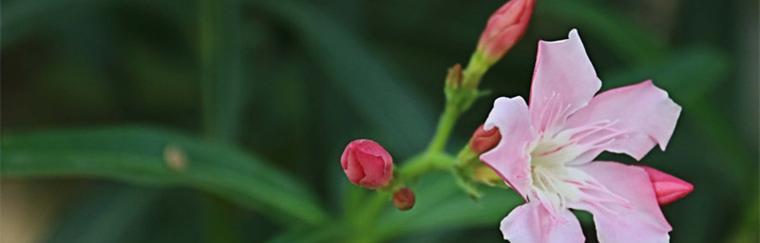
137 155
442 205
383 98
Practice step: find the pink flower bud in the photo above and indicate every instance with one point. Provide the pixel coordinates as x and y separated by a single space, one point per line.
505 27
483 140
367 164
668 188
403 199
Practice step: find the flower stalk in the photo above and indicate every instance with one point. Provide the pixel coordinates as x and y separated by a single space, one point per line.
504 29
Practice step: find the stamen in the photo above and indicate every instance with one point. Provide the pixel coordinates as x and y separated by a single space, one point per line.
554 183
583 132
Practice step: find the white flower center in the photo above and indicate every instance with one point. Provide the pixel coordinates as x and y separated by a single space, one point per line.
553 156
550 173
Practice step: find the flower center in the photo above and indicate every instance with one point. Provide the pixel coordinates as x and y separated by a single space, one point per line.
552 177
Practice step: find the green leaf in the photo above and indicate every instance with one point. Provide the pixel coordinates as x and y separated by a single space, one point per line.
624 37
724 137
442 205
325 233
387 101
687 75
160 158
123 208
746 231
22 19
220 54
19 18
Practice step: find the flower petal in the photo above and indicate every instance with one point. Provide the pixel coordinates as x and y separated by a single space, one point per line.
511 158
641 115
638 219
533 223
564 81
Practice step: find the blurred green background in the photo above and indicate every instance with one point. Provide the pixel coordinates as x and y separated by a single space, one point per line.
223 121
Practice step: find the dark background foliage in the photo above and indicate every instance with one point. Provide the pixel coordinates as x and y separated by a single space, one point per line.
285 85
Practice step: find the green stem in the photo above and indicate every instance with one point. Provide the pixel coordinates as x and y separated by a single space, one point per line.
466 156
443 131
458 100
476 68
424 163
364 220
374 205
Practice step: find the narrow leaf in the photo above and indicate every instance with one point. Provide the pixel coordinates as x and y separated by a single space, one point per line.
221 67
687 74
625 39
124 208
442 205
386 100
160 158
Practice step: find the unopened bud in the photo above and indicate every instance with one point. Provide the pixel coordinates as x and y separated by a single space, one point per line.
483 140
454 77
484 174
668 188
505 27
403 199
367 164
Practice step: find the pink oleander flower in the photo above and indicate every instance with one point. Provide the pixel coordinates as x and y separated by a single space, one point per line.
504 28
367 164
547 151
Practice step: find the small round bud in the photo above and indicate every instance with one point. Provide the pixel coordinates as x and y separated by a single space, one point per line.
483 140
367 164
668 188
403 199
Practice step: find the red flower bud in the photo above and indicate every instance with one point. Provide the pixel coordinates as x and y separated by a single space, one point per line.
367 164
403 199
483 140
505 27
668 188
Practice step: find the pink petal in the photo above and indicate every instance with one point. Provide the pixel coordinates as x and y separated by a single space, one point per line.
644 112
511 158
533 223
639 219
351 166
563 81
374 169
